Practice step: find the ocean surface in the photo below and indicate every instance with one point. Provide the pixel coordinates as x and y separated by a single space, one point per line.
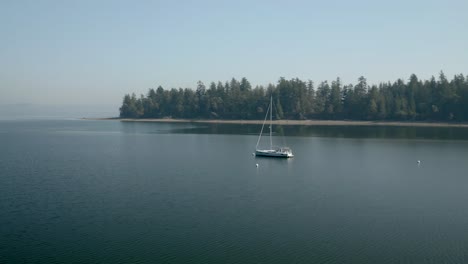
81 191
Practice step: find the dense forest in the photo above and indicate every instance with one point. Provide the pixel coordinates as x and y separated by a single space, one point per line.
426 100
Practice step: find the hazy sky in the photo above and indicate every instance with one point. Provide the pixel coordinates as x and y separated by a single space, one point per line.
93 52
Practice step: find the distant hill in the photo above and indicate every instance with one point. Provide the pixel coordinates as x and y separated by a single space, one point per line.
14 111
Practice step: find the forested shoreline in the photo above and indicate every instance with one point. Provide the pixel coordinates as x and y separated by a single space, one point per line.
412 100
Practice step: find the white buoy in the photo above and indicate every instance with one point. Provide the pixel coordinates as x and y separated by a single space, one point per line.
419 162
256 165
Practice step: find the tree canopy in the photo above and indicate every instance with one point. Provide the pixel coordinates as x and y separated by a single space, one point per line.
417 100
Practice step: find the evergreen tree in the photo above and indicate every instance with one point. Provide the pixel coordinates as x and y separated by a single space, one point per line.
441 99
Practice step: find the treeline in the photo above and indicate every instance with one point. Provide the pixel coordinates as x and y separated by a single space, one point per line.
429 100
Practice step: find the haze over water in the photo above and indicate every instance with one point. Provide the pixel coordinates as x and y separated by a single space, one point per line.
75 191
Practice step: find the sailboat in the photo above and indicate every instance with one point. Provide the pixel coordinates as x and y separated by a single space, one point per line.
277 152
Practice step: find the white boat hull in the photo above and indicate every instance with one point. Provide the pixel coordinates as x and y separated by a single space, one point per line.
273 153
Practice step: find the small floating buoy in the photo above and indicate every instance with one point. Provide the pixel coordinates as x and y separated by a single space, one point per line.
256 165
419 162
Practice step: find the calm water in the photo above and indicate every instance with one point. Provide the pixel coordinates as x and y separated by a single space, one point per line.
74 191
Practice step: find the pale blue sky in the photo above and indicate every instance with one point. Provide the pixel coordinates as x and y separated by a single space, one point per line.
92 52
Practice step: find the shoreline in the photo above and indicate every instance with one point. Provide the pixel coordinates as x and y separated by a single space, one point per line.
290 122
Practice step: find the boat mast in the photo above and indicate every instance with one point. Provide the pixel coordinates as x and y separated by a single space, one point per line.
263 125
271 115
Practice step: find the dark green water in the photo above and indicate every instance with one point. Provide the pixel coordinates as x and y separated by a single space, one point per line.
74 191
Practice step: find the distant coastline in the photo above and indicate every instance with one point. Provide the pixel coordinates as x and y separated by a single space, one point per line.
290 122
